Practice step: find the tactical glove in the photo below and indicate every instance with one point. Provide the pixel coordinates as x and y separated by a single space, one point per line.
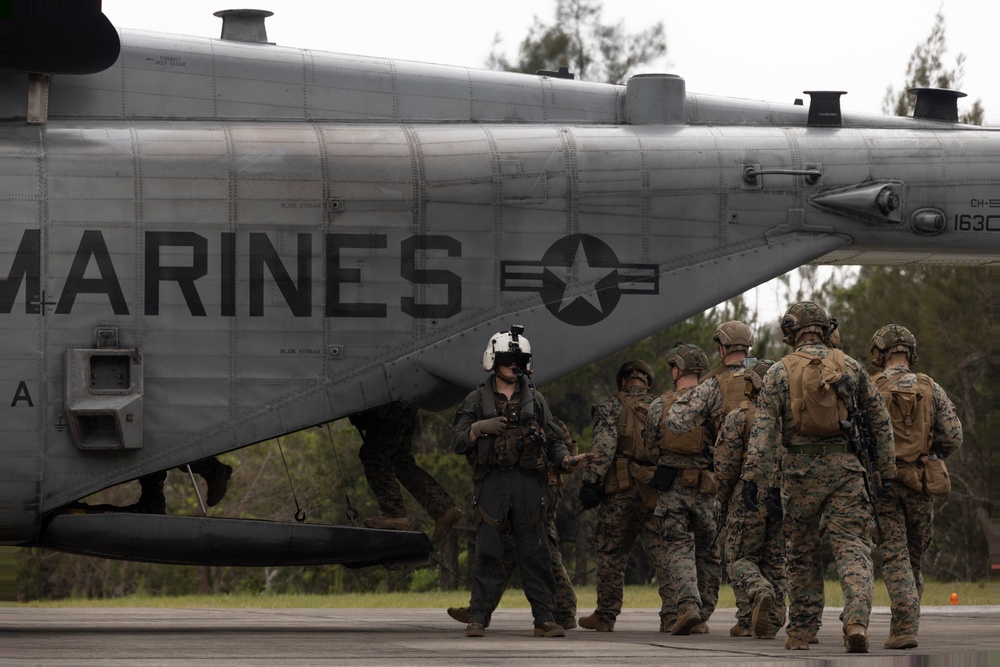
749 496
591 495
772 503
663 478
492 426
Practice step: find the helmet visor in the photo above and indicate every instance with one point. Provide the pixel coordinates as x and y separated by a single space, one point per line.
518 359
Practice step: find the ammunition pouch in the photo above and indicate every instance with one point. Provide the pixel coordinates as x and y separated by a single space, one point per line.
936 480
910 475
521 446
643 473
625 473
702 480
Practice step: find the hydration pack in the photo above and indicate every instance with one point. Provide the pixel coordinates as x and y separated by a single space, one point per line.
911 408
631 422
691 442
816 407
732 386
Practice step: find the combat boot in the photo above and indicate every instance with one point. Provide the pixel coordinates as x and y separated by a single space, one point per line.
460 614
739 631
700 629
901 641
797 644
568 622
475 629
685 622
549 629
444 523
151 499
856 638
218 482
595 622
383 522
760 617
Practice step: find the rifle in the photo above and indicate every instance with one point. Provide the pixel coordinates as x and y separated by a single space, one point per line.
858 429
721 517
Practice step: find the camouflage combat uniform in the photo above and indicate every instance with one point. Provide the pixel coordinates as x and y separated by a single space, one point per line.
509 496
907 514
386 455
685 514
820 479
755 545
707 405
625 514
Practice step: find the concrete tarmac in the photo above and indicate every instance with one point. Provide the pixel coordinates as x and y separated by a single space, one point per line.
959 635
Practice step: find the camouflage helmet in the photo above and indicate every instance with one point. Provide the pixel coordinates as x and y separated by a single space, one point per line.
734 335
687 358
636 368
804 317
893 338
754 375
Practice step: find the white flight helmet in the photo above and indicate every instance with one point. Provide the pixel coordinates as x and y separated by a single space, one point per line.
507 346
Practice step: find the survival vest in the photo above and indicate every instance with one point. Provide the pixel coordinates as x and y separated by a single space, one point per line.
911 409
522 443
690 442
816 407
732 386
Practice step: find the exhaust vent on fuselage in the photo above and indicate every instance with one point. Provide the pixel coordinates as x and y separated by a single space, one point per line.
244 25
936 104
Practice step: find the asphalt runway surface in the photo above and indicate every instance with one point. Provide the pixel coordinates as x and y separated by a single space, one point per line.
949 636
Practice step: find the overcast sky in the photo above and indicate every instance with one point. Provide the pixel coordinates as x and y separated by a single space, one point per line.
769 50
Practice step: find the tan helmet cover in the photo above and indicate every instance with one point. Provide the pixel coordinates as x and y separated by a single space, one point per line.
734 335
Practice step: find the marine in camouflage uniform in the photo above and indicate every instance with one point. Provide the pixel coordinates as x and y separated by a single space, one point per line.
506 431
906 510
755 544
618 485
685 502
386 455
719 392
820 479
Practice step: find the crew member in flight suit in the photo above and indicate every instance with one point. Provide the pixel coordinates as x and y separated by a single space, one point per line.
506 431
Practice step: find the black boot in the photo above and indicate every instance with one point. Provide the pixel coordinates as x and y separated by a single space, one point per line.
216 475
151 500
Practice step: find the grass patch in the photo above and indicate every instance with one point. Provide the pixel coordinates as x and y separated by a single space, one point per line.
935 594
